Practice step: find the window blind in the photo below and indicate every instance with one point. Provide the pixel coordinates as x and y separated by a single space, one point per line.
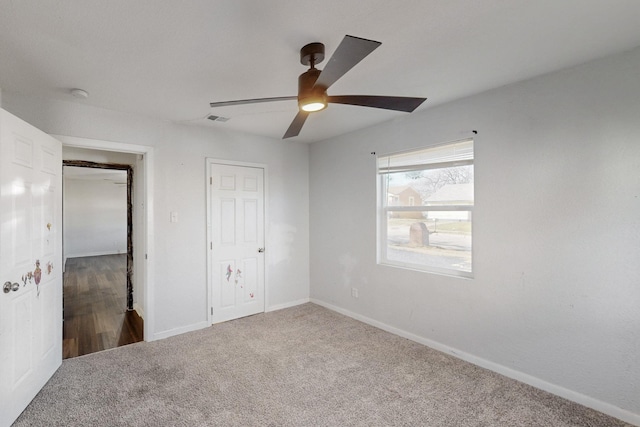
442 156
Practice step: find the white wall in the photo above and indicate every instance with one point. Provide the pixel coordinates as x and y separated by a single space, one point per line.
180 286
556 296
95 217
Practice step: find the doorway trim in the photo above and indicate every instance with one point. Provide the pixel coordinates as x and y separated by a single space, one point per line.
143 222
129 170
208 162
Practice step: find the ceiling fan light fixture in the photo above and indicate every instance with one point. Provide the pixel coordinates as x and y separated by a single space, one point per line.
312 105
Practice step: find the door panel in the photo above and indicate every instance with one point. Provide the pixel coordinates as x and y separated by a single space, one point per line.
250 275
30 257
227 294
22 308
227 220
237 233
250 221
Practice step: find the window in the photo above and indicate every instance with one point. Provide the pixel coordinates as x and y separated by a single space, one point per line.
425 208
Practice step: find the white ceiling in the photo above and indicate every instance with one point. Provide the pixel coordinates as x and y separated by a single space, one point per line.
168 59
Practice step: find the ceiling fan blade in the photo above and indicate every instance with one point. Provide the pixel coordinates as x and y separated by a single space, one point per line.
349 53
252 101
296 124
397 103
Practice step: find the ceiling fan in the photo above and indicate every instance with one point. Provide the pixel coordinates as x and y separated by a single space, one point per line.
313 84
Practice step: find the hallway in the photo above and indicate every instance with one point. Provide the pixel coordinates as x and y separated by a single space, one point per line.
95 315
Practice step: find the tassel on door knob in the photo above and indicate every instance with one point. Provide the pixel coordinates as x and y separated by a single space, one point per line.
8 287
260 250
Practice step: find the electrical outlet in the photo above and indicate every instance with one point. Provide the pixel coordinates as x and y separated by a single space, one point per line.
354 292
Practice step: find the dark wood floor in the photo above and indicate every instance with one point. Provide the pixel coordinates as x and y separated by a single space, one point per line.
95 300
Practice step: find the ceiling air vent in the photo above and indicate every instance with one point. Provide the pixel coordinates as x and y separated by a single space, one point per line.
217 118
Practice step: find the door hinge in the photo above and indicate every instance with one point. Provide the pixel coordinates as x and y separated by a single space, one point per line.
211 245
210 180
145 256
212 311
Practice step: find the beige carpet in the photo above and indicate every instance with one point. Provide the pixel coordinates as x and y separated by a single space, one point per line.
303 366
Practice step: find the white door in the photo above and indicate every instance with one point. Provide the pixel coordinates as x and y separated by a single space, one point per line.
236 247
30 263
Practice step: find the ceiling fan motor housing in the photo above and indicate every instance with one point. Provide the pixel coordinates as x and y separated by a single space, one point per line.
307 93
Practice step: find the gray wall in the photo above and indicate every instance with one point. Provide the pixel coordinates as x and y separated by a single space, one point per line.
556 296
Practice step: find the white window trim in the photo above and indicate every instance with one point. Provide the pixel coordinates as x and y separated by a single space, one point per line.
383 211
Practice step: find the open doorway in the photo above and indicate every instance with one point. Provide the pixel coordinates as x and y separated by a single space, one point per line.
98 254
141 157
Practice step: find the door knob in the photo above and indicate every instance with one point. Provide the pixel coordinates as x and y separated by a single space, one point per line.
8 287
260 250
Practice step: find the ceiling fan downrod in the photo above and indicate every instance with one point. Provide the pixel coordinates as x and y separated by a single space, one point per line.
311 98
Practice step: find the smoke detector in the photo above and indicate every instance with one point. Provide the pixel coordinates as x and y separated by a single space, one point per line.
80 93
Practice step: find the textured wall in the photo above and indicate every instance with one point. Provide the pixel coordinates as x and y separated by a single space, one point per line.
556 232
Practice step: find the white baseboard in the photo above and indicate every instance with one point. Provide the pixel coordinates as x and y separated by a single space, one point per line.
178 331
96 253
286 305
205 324
565 393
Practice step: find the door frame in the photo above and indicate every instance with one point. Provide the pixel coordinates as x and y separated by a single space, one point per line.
208 162
144 274
129 170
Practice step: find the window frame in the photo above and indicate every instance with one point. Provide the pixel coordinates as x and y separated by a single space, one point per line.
383 209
